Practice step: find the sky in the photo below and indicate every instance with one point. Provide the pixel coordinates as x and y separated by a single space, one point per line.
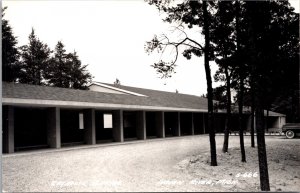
110 37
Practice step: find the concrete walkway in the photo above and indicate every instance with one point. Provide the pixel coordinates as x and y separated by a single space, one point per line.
144 166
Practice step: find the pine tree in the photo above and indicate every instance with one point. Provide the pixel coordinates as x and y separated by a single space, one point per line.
79 77
271 43
10 53
65 70
57 71
34 60
223 36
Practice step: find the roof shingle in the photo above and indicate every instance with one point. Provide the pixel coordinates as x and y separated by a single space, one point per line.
154 98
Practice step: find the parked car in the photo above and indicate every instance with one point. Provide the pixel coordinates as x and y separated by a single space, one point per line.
291 129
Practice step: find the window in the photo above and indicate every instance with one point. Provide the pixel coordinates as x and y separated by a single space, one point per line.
81 121
107 121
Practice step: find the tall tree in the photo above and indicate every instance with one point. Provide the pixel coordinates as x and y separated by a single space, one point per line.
79 77
10 52
65 70
57 71
272 48
34 59
252 130
192 14
284 95
222 35
249 101
242 76
207 51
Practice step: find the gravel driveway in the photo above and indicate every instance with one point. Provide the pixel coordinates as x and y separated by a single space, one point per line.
146 166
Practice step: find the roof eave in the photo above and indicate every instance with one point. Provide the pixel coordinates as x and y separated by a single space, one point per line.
77 104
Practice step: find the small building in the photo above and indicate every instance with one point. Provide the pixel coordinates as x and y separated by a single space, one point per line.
51 117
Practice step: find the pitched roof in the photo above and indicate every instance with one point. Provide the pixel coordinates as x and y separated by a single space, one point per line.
25 94
158 99
113 88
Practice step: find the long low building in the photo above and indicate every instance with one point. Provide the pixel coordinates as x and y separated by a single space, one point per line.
51 117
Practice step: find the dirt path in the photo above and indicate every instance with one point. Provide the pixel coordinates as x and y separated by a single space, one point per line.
154 165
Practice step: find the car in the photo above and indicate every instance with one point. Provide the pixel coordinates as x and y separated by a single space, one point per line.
291 129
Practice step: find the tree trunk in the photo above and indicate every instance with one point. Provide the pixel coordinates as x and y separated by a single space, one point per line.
241 85
296 97
213 151
252 116
258 97
262 155
241 131
228 108
266 120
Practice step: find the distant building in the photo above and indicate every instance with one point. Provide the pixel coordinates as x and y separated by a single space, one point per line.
51 117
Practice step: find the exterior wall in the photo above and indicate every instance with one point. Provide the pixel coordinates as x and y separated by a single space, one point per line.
172 124
30 127
219 122
89 126
198 123
186 123
151 131
160 124
204 123
103 134
71 132
275 123
141 124
193 127
282 121
130 125
178 130
248 123
102 89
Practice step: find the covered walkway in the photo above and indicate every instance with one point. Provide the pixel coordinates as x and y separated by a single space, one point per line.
51 117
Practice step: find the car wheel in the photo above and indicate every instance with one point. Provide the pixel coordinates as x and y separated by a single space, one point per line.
290 134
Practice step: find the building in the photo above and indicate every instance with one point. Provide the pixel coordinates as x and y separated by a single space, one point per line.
51 117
